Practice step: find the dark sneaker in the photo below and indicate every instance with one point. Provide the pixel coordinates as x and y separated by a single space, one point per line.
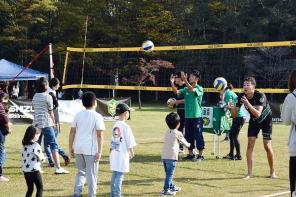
237 157
67 160
175 189
199 158
230 157
168 193
50 165
189 157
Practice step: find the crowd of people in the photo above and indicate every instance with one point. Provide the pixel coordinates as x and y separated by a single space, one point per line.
184 130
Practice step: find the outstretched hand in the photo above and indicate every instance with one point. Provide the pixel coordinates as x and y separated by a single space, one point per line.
183 76
172 78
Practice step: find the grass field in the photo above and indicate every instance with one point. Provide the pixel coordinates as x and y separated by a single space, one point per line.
212 177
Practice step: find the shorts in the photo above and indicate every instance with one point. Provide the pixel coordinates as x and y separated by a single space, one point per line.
265 126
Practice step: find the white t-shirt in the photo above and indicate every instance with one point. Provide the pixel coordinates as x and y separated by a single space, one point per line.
87 123
122 139
32 157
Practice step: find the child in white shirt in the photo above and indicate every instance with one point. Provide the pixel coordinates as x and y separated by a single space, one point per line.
122 144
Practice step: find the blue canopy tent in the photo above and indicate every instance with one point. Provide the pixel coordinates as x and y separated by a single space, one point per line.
9 71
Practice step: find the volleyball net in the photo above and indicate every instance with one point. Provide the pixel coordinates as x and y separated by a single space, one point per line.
131 68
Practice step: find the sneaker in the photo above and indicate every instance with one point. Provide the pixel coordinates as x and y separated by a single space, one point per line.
175 189
168 193
273 176
3 179
230 157
190 157
50 165
200 158
67 160
61 171
248 176
237 157
226 139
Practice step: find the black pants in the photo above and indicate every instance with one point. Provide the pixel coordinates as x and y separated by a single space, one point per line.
181 113
292 173
31 179
237 124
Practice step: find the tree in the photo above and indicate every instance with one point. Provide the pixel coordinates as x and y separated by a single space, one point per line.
144 72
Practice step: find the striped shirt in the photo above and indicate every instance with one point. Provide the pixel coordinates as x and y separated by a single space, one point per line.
42 103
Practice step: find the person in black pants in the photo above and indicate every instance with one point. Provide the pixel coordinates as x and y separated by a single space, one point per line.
230 97
179 103
288 115
31 161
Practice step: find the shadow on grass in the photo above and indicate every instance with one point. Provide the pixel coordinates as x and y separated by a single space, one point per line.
146 158
153 109
151 181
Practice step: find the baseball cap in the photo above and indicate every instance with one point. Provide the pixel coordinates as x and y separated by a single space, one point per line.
196 73
121 108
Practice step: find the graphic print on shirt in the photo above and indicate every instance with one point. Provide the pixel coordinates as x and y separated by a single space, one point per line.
116 139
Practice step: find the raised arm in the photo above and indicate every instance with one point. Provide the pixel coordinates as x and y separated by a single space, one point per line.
172 80
184 78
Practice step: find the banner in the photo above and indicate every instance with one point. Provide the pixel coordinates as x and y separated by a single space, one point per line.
207 116
106 107
20 111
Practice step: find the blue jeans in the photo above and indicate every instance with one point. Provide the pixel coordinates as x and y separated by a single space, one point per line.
169 168
116 182
2 152
47 148
48 151
50 143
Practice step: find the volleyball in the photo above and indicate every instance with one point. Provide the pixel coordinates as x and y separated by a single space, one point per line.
171 102
148 46
220 83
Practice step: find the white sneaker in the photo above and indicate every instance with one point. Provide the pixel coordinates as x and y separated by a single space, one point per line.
61 171
248 176
273 176
3 179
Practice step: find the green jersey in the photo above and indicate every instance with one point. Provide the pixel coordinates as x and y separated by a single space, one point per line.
230 96
192 101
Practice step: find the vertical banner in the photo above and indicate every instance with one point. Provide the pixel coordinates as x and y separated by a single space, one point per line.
207 116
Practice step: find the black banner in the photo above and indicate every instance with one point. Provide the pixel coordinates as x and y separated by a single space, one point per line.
20 111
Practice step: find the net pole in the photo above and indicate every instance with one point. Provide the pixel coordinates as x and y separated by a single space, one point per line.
84 46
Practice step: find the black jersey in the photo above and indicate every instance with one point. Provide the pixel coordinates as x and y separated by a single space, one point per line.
180 97
258 99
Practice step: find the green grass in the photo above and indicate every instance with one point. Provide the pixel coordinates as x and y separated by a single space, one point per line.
212 177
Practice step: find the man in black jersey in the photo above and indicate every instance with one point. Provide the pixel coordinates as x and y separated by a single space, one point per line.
257 105
180 84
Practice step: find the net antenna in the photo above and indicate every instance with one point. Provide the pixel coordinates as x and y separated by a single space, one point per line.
83 58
